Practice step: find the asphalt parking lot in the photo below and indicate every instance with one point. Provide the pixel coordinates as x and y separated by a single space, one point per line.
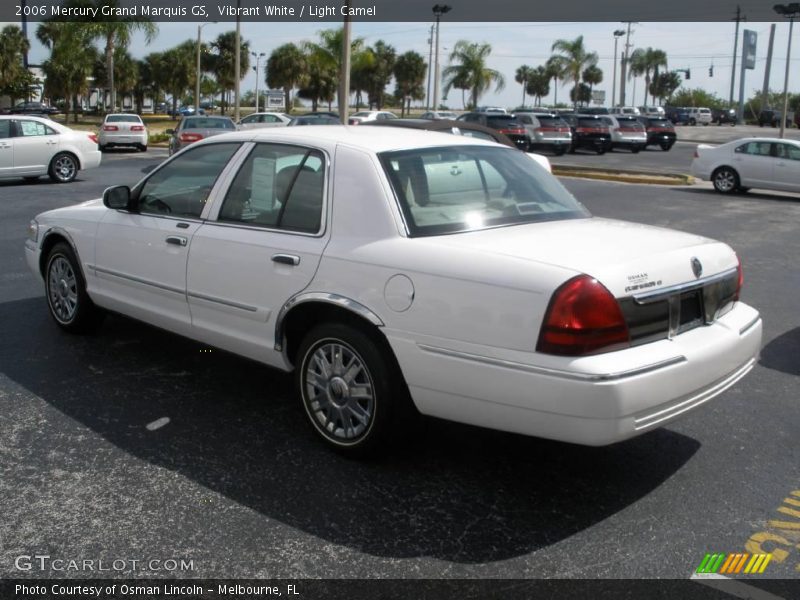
235 482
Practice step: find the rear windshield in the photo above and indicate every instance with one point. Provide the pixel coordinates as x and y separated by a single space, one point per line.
590 123
629 122
550 121
466 188
123 119
501 120
205 123
660 123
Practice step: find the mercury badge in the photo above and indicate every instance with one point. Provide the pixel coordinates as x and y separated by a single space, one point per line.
697 266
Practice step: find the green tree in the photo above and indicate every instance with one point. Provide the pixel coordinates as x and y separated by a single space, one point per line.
14 78
222 62
581 94
644 61
327 53
571 60
380 72
539 84
665 85
470 70
523 76
286 68
697 97
177 66
592 76
409 75
321 83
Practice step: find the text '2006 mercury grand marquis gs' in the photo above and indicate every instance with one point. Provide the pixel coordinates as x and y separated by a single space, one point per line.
409 272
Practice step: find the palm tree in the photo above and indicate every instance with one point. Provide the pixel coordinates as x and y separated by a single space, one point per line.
643 61
223 62
409 73
554 67
523 76
177 70
14 78
539 84
573 58
328 53
286 68
322 81
117 33
471 70
592 76
380 73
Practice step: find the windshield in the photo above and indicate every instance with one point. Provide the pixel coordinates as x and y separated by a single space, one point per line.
206 123
464 188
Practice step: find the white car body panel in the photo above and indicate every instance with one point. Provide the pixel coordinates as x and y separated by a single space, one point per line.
252 121
123 135
461 312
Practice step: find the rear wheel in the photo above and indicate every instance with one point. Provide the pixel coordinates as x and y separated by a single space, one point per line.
142 147
692 122
351 389
69 304
560 151
725 180
63 168
102 148
600 150
635 149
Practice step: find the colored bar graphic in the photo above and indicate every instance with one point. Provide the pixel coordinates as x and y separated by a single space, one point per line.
733 563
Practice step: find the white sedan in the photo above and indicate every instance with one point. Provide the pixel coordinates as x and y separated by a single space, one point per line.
414 272
768 163
123 129
34 146
370 115
263 119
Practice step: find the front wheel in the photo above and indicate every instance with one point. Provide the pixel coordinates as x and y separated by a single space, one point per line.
351 389
63 168
600 150
69 304
725 180
666 147
692 122
635 149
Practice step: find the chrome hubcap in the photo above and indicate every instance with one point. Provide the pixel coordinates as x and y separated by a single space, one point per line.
338 391
65 167
725 181
62 289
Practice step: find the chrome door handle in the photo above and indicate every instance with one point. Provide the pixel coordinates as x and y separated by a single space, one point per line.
286 259
177 240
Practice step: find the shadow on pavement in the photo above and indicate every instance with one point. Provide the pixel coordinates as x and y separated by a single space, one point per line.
459 493
782 352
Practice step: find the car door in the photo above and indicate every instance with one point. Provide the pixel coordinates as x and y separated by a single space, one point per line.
786 174
6 149
755 163
261 247
140 256
34 145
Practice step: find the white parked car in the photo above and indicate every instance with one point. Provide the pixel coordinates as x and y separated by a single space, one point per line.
699 115
624 110
626 132
652 111
409 272
768 163
122 129
34 146
370 115
264 119
439 114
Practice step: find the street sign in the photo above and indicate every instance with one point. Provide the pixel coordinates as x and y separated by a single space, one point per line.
599 96
749 49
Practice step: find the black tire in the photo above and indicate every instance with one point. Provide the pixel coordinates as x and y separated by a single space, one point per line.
560 151
742 190
102 148
142 147
692 122
65 289
355 427
600 150
725 180
665 147
63 168
572 150
635 149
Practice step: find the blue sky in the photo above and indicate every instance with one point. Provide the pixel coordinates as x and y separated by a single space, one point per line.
688 45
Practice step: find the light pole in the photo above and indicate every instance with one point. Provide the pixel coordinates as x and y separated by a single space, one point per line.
257 56
197 71
438 11
788 11
617 34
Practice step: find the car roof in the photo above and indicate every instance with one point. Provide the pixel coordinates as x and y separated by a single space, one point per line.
371 139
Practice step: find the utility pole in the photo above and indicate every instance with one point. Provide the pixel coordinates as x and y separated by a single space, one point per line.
768 68
344 76
237 66
738 18
430 70
624 67
438 11
617 34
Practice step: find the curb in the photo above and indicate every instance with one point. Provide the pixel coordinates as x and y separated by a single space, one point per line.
623 176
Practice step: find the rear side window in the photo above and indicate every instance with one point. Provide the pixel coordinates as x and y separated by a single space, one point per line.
279 187
33 128
755 148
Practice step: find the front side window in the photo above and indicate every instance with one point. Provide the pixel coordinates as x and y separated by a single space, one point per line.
464 188
5 129
279 187
182 186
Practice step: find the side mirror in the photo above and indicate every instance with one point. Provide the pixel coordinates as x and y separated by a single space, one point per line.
117 197
170 131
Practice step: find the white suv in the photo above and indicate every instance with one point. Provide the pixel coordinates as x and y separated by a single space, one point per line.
624 110
699 115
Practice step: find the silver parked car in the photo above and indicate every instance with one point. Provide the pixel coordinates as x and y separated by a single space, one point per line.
194 129
437 115
626 132
264 119
122 129
546 131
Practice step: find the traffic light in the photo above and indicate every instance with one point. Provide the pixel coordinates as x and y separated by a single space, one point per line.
688 73
711 71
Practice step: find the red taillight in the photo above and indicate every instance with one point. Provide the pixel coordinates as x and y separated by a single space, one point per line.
740 279
583 318
137 127
512 130
93 137
190 137
696 154
110 128
353 121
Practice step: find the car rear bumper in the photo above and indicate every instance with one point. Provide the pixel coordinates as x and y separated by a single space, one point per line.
91 159
593 400
130 139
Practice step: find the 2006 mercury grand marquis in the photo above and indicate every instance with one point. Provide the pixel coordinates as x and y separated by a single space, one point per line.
404 270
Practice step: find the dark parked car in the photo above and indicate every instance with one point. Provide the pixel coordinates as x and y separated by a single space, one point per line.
588 131
594 110
723 115
33 108
465 128
773 118
504 123
678 116
660 132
